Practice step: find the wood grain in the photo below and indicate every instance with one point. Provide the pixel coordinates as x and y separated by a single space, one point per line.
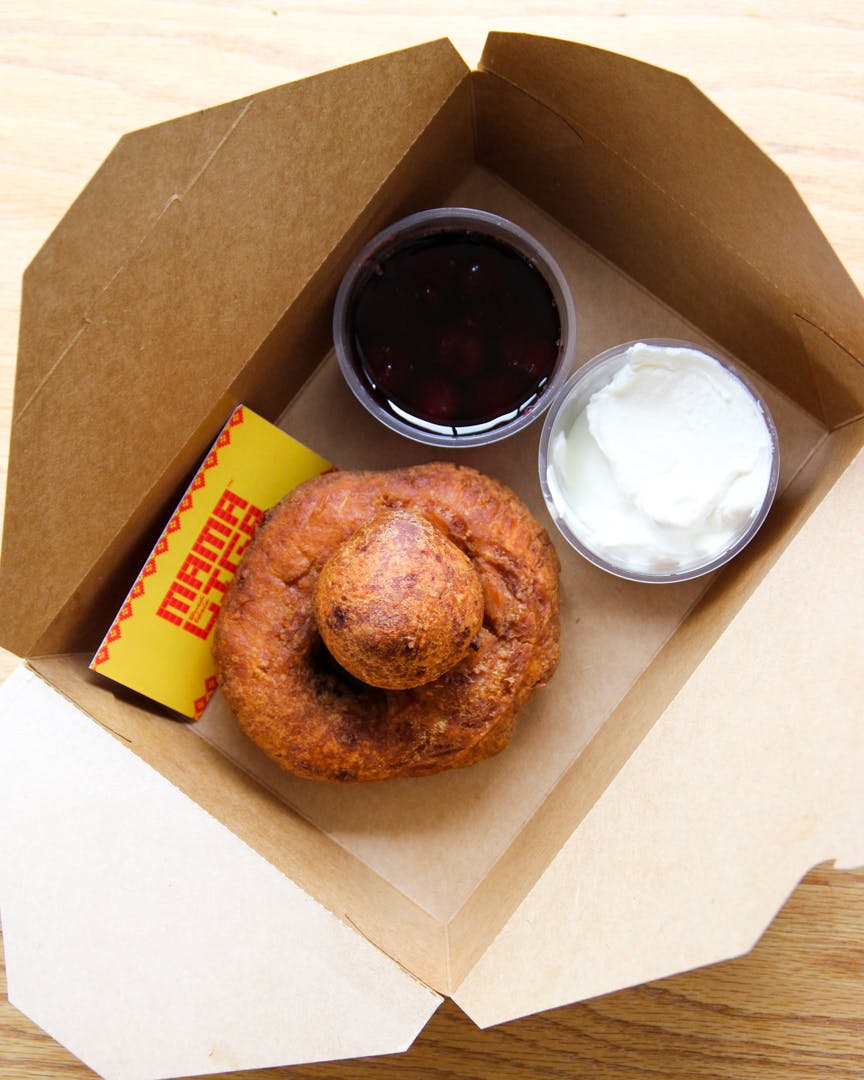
74 77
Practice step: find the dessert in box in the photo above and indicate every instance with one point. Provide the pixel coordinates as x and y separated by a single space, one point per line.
666 789
341 576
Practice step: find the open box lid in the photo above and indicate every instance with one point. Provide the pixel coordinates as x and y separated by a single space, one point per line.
138 335
99 335
148 939
665 185
751 776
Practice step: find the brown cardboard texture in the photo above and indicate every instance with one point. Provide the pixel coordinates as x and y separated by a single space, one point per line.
689 729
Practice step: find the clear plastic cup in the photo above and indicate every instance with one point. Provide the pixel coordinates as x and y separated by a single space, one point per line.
573 399
423 226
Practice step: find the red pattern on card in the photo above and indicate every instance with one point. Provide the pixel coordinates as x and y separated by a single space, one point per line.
210 685
186 503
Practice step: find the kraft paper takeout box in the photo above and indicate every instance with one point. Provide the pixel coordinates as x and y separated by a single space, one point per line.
172 904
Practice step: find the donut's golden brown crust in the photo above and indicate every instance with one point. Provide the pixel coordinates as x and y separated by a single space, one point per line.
314 719
397 603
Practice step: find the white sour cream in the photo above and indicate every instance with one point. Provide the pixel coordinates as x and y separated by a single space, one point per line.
666 466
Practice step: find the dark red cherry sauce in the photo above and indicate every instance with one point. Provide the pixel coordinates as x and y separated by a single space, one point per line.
456 332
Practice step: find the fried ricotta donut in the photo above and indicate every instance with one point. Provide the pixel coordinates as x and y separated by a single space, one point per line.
311 715
397 603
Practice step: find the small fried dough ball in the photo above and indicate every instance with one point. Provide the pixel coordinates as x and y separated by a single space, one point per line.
397 603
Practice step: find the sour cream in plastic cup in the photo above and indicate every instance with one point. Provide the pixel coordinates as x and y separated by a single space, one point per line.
659 460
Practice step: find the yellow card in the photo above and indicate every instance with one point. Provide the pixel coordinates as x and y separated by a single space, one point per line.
159 643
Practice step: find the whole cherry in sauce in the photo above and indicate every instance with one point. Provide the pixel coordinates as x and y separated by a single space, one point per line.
457 331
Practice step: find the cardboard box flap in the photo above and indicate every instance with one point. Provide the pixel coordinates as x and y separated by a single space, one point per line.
769 726
132 938
642 165
301 162
839 376
144 173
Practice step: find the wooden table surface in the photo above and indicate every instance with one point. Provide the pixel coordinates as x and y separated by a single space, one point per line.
76 75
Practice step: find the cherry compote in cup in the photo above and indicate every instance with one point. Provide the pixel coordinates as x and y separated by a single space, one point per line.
454 327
